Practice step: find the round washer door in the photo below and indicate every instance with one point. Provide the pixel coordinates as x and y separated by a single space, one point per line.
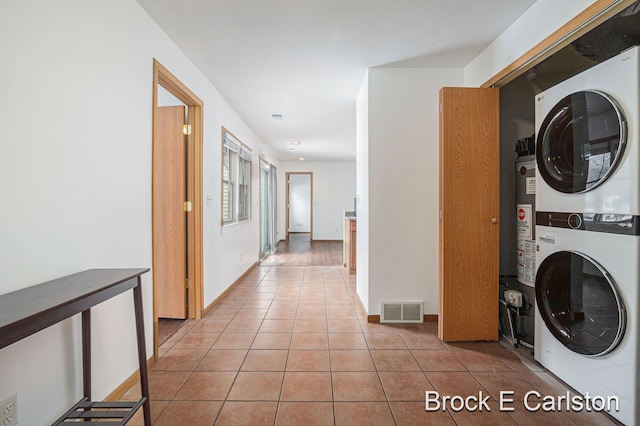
580 303
580 142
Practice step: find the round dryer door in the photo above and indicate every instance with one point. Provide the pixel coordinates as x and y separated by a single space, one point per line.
580 303
580 142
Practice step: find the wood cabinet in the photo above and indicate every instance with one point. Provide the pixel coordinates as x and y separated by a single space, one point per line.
469 208
350 244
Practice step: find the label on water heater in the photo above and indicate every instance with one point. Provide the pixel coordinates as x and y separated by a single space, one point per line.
523 220
527 165
531 186
526 253
526 261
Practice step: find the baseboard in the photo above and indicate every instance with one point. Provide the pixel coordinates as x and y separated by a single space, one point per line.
364 309
425 318
430 318
121 390
224 293
328 241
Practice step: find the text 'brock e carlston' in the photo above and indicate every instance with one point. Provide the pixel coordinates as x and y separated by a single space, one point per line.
533 401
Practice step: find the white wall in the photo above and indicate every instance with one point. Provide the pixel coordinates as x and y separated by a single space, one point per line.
334 187
166 98
300 203
396 114
231 250
75 167
537 23
403 184
362 184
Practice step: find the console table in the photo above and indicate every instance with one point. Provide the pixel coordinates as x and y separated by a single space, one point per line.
32 309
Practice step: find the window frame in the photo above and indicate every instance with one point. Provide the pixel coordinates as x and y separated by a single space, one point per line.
228 185
236 187
244 189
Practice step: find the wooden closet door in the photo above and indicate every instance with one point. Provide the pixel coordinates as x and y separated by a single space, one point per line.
469 209
169 216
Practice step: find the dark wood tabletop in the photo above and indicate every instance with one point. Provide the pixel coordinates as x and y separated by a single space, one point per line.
29 310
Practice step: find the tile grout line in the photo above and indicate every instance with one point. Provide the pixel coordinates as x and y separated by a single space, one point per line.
237 373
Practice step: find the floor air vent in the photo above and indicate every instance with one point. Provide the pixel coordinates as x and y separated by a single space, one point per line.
401 312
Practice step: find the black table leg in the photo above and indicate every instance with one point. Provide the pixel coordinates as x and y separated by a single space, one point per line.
86 353
142 352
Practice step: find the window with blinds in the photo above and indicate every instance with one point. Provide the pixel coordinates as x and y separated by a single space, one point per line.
236 180
230 159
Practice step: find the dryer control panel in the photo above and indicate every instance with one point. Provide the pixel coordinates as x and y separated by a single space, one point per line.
596 222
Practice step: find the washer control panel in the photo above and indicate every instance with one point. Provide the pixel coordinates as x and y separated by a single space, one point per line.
595 222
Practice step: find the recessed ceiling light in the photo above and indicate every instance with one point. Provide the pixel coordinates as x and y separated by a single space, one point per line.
295 142
277 116
301 158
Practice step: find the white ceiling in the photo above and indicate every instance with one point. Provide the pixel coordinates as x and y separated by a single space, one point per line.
306 59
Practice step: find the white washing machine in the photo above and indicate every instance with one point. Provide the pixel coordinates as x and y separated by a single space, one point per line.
587 293
588 140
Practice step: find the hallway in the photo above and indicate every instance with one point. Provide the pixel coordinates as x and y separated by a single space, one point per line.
290 345
300 251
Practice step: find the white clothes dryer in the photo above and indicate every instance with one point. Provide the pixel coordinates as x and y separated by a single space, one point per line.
587 329
588 140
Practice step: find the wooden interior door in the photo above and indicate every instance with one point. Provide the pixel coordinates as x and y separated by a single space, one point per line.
169 216
469 209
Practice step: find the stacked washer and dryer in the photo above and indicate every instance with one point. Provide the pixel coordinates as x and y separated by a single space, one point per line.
587 327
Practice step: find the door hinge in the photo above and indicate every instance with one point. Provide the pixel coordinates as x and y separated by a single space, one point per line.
187 283
187 206
186 129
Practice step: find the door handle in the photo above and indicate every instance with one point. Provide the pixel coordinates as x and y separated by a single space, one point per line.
494 220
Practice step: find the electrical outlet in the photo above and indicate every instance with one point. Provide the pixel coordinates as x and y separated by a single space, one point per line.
9 410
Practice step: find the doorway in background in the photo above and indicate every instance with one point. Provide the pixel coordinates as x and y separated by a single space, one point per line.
299 211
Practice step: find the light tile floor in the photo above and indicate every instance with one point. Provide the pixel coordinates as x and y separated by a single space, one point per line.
290 345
